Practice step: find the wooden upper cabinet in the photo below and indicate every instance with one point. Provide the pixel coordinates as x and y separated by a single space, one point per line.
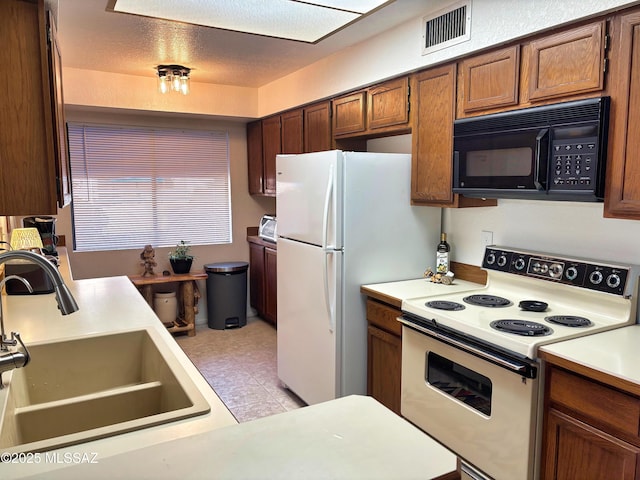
349 114
33 156
431 168
382 109
433 101
566 63
388 104
254 156
271 146
317 127
292 136
489 80
622 193
61 142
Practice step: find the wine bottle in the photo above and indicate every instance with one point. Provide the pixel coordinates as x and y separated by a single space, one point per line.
442 255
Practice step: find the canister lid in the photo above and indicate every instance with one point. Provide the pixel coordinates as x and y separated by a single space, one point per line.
226 267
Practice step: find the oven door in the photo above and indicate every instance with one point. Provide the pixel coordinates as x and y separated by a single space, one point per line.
482 411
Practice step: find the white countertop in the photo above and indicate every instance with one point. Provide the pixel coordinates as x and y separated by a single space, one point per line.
615 353
350 438
421 287
290 445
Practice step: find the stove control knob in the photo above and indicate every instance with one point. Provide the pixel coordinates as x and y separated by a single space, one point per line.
544 268
572 273
502 260
596 277
491 258
519 264
537 267
555 270
613 280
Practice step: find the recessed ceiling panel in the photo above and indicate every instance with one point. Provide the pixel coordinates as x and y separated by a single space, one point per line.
289 19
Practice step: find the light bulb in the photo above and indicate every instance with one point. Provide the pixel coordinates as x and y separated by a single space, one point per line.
175 82
184 85
163 86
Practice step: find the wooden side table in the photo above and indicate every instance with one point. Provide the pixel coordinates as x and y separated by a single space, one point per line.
188 295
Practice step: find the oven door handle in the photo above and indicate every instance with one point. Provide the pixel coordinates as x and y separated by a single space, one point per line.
513 366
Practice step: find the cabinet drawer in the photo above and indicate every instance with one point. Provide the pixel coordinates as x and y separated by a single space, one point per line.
384 317
605 405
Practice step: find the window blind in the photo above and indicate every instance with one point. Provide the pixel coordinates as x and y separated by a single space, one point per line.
134 186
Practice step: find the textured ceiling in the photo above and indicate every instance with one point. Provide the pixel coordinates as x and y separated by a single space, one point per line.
94 37
307 21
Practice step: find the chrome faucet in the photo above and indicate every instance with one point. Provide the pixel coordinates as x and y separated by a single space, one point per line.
4 341
66 303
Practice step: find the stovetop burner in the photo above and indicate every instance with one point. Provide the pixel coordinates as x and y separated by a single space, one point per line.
521 327
569 320
445 305
483 300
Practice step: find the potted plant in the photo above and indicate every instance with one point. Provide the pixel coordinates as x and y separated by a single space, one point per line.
181 258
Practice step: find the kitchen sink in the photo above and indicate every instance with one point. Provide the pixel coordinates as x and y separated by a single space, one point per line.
93 387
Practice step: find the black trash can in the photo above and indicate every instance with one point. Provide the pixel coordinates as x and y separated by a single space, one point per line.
227 294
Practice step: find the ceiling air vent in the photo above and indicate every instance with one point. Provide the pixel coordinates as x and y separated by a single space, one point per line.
446 27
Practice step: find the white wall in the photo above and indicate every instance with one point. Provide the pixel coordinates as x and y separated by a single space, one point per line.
567 228
398 50
246 209
554 227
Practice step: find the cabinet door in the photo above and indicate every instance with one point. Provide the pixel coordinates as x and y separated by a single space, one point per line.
292 132
349 114
271 146
433 103
388 104
317 127
567 63
490 80
27 155
622 194
61 143
573 449
271 288
384 363
254 156
256 277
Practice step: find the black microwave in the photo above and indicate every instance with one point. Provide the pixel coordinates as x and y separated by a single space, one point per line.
551 152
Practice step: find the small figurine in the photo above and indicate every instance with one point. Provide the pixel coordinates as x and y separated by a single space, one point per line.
445 279
148 260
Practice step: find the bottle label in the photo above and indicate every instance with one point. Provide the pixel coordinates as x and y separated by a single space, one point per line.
442 262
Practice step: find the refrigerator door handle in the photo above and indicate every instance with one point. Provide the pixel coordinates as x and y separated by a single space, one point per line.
325 214
327 299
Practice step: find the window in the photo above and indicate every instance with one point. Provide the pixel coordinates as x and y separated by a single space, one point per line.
134 186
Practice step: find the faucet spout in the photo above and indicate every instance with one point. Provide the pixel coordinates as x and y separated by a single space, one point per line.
66 303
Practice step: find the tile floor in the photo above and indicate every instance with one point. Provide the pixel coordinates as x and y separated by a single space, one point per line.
240 365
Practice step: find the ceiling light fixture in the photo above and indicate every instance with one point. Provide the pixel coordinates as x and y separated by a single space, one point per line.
173 78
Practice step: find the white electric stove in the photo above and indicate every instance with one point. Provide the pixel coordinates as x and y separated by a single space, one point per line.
471 377
573 298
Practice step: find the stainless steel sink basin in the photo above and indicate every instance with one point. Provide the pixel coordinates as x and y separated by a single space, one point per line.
87 388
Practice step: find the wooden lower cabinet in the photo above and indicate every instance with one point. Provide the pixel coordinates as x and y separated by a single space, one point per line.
263 279
270 285
384 354
577 450
591 429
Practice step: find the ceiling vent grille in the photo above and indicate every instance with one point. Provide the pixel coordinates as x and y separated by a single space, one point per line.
446 27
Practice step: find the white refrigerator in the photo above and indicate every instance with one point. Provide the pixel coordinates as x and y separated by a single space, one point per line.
344 219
